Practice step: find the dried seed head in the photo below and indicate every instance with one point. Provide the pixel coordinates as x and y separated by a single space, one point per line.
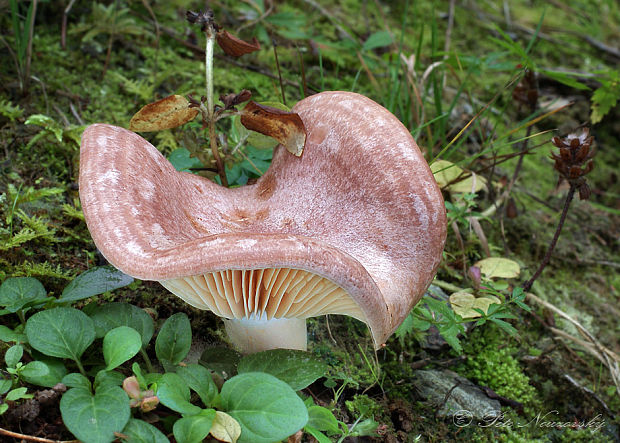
202 18
574 160
526 91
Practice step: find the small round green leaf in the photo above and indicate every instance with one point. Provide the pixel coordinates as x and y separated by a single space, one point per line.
76 380
113 315
60 332
182 160
322 419
198 378
174 339
298 369
194 429
17 394
35 370
105 378
95 418
13 355
173 392
267 409
5 385
17 292
140 431
95 281
8 335
221 360
119 345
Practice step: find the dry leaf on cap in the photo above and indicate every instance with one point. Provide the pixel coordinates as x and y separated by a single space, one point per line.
225 428
446 172
166 113
286 127
499 267
464 303
234 46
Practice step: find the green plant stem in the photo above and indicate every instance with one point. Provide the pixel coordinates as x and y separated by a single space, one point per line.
22 317
569 198
210 34
80 367
147 360
29 47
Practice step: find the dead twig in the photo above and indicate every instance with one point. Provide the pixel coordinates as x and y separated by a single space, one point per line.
609 358
33 438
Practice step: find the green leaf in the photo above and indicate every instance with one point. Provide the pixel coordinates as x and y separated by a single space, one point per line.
140 431
8 335
60 332
221 360
35 370
76 380
119 345
182 161
174 339
95 281
95 418
365 428
318 435
173 392
18 292
113 315
5 385
194 429
377 40
450 334
13 355
105 378
198 378
298 369
504 325
17 394
267 409
322 419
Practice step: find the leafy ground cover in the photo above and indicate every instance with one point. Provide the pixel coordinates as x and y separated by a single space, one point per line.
483 87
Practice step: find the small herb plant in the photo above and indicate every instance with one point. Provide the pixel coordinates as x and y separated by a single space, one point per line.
99 356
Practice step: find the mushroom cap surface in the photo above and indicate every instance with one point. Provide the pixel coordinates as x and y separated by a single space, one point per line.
358 218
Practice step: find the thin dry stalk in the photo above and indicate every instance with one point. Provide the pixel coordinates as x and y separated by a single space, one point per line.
610 359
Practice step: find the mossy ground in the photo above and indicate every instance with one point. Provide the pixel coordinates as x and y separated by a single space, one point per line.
582 278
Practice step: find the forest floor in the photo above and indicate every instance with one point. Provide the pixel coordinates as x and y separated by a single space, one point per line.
435 65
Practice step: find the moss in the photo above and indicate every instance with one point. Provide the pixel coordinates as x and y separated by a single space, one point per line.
494 366
364 406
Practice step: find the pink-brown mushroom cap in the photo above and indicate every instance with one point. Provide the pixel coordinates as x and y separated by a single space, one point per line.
360 208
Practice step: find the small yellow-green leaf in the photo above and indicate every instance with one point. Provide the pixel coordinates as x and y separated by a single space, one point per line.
498 267
446 173
483 303
464 303
166 113
225 428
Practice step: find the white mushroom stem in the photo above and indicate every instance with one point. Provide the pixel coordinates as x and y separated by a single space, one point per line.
253 334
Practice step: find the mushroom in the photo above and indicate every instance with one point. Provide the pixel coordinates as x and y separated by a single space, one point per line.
356 226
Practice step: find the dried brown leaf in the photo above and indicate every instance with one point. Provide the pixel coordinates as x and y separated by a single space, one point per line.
166 113
286 127
234 46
